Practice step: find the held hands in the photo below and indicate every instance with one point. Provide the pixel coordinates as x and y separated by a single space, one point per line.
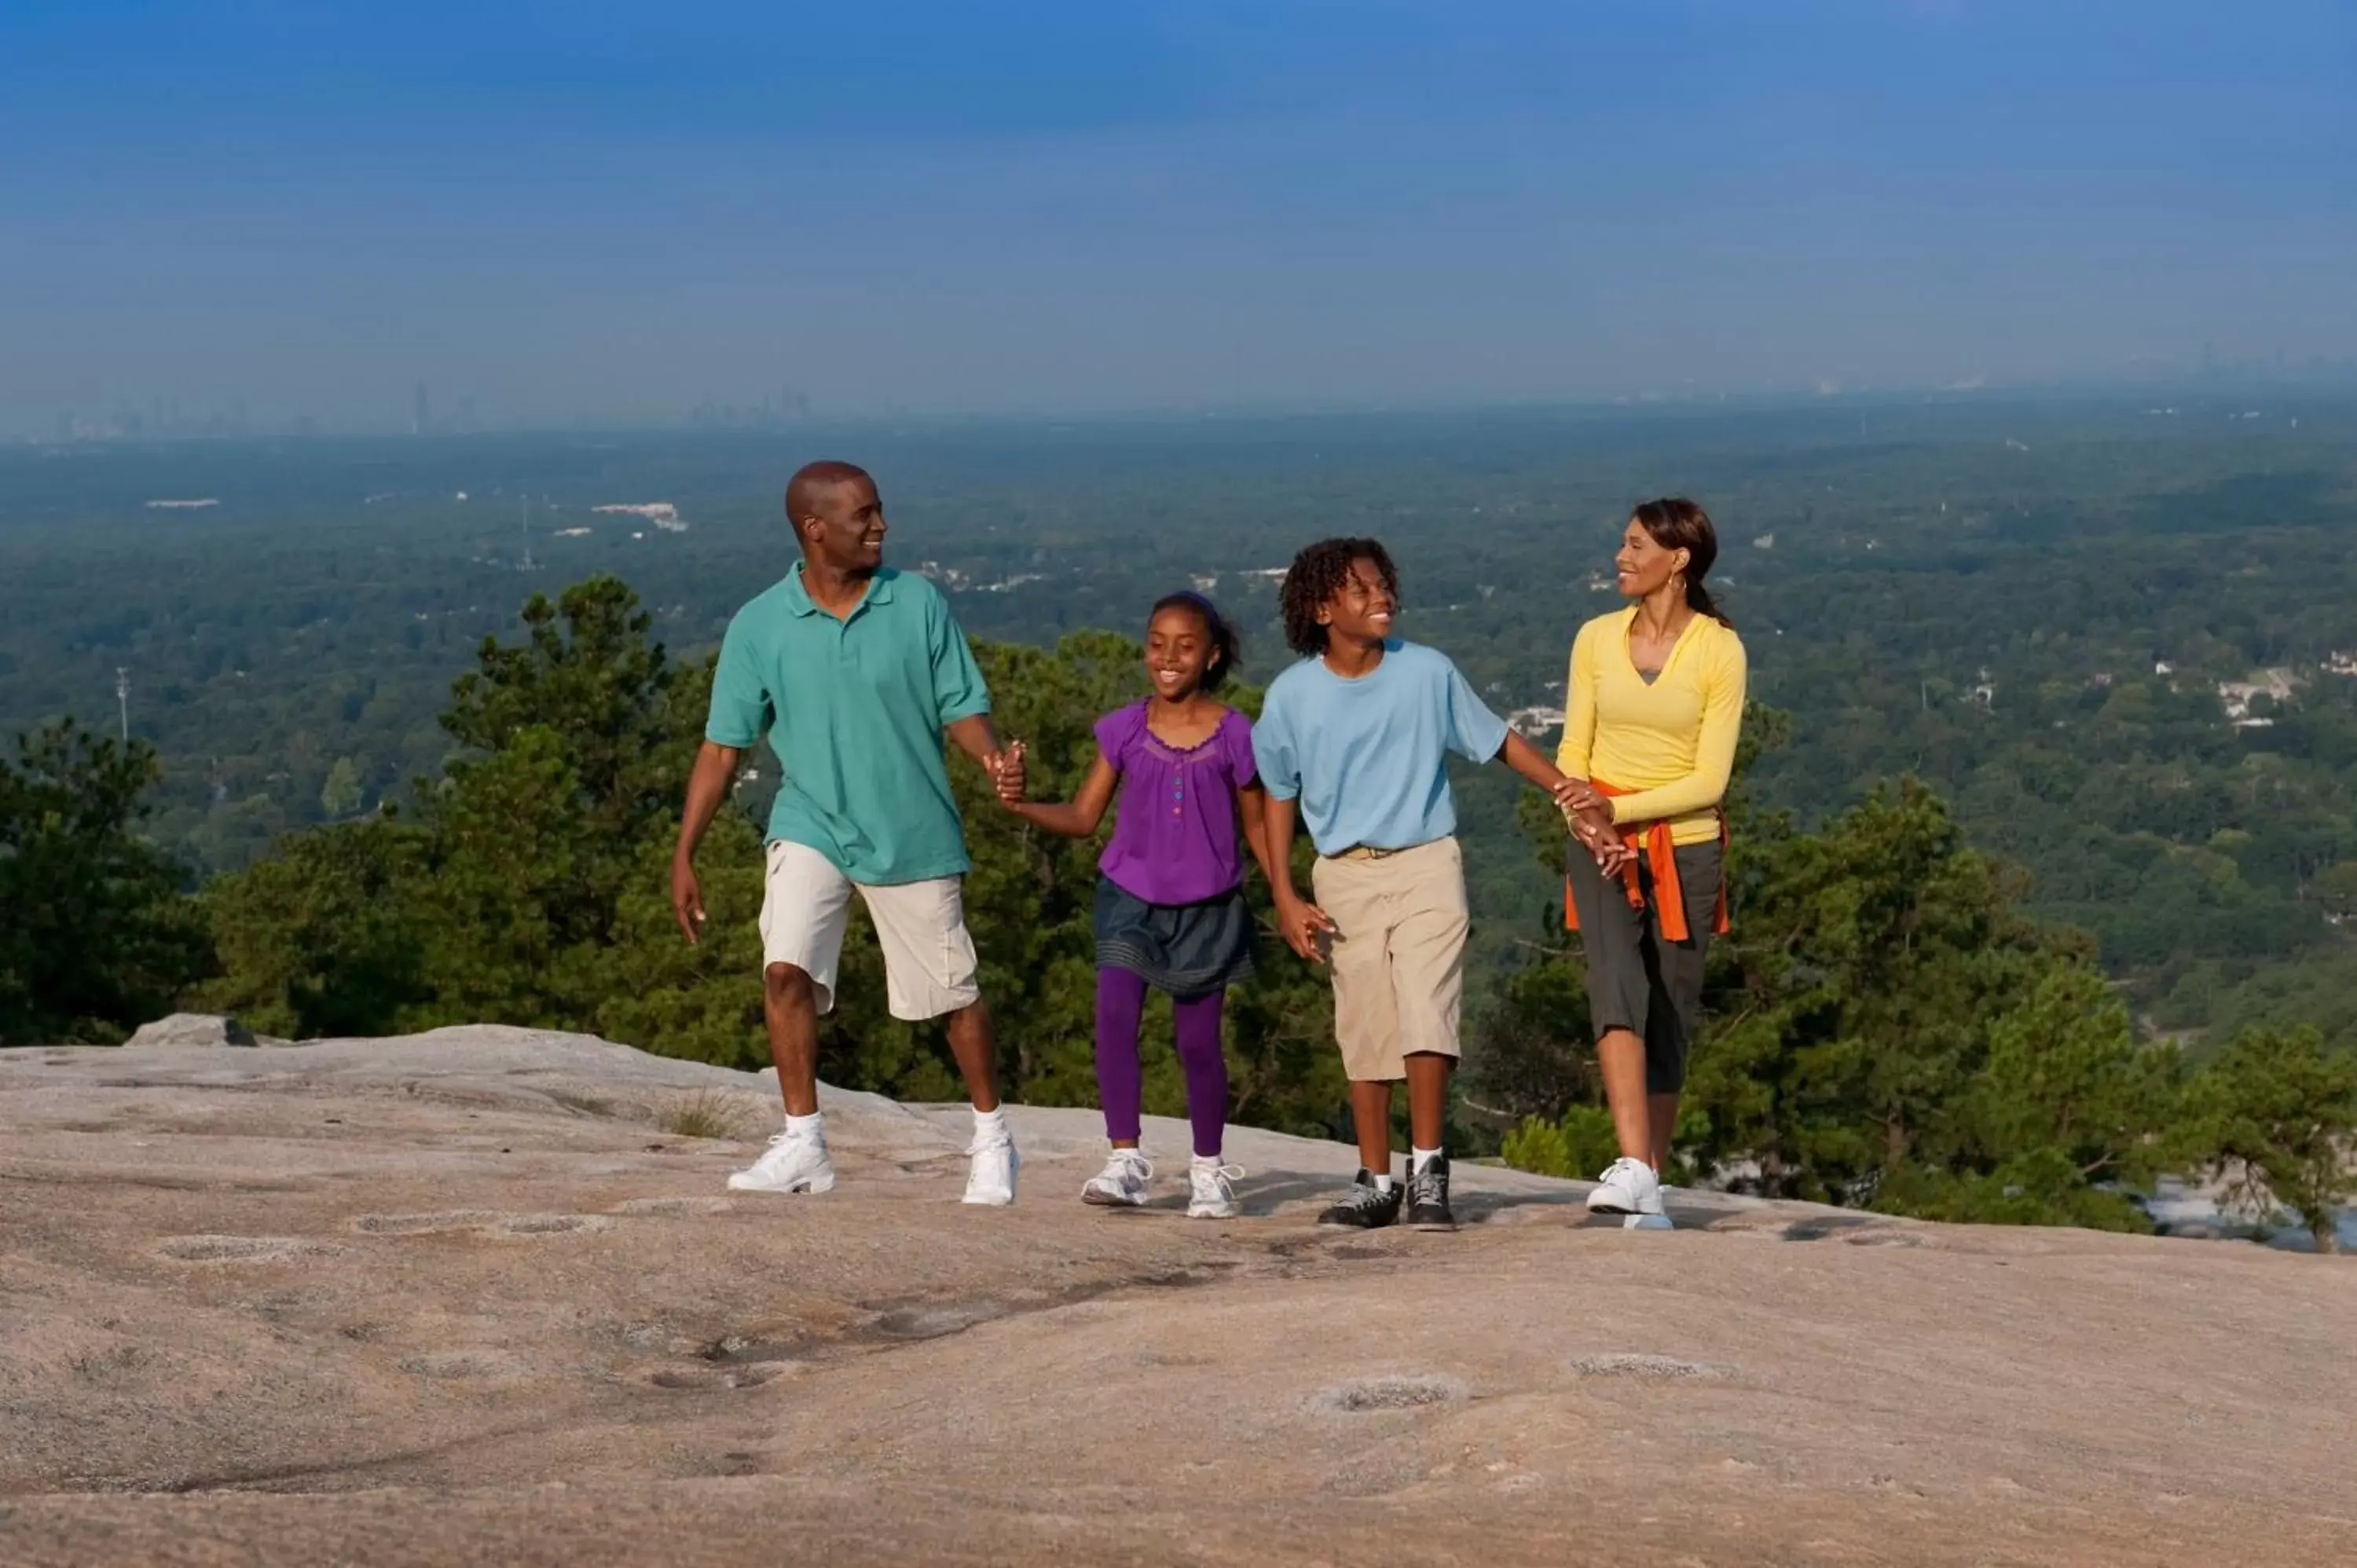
1602 839
1588 813
1007 772
1580 795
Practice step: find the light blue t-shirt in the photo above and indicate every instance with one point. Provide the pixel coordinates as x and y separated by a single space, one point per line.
1368 758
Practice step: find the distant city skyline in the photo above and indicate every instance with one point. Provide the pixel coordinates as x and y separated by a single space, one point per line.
449 218
130 422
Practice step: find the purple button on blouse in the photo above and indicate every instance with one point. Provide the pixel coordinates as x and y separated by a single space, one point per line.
1174 838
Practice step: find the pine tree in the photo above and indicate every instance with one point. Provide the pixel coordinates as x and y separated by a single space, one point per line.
96 934
2273 1118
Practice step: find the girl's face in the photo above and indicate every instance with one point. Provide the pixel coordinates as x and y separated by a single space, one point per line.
1643 566
1177 653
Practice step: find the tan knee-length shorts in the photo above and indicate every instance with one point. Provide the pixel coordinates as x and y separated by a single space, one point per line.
929 960
1398 953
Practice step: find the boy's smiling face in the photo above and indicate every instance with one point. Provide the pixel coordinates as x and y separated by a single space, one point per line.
1360 611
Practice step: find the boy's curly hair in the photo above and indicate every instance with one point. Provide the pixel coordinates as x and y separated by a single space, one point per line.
1317 575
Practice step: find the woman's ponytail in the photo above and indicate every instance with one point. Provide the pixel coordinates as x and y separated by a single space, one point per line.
1677 523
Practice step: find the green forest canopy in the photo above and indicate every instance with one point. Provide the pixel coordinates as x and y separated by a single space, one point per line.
2030 606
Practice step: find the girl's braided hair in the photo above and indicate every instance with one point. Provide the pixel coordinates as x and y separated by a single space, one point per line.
1317 575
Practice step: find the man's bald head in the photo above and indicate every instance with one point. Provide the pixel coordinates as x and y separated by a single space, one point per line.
837 517
807 491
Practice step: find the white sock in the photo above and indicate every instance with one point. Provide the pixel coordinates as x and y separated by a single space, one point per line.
1383 1182
811 1126
992 1124
1419 1158
1207 1161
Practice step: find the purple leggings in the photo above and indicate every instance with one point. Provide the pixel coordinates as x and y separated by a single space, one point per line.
1121 1003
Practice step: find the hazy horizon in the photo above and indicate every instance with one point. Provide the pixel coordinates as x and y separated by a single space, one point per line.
618 213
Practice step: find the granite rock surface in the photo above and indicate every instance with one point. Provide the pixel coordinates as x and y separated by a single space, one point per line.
478 1295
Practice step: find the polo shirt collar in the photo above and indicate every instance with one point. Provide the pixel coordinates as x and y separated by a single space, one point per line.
799 602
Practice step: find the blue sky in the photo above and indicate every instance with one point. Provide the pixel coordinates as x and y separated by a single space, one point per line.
616 210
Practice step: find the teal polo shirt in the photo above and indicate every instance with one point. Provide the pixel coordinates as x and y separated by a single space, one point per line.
854 709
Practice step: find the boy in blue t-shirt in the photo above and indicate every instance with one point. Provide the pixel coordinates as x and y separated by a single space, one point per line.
1355 739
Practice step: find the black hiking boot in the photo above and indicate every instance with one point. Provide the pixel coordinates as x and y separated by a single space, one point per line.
1428 1196
1365 1206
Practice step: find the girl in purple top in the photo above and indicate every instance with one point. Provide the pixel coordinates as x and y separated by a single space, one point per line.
1170 909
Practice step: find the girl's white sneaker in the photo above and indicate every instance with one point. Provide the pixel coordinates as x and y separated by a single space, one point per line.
1209 1193
1122 1184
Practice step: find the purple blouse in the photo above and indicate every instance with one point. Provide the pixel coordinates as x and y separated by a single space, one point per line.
1174 841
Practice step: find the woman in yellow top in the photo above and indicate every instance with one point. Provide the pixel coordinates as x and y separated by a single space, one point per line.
1652 709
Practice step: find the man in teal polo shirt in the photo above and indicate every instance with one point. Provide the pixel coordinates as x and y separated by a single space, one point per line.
854 672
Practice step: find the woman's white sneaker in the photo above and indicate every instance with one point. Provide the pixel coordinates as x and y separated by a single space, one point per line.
990 1178
1627 1186
1656 1215
1122 1183
1209 1194
796 1162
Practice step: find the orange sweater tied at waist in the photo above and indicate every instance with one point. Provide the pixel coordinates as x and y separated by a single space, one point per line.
1653 843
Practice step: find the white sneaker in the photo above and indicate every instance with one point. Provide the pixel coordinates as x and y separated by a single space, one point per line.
1122 1184
1209 1194
1627 1186
990 1180
796 1163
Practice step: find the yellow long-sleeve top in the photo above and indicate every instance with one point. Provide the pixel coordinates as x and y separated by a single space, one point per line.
1671 743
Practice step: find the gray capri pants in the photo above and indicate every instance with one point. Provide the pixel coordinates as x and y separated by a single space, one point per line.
1636 979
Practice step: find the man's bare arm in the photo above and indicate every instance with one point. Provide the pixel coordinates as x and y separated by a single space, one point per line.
707 786
978 738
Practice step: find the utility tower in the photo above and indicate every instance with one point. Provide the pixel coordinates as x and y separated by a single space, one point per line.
123 699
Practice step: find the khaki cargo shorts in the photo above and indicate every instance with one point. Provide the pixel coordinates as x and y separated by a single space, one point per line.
1398 953
928 954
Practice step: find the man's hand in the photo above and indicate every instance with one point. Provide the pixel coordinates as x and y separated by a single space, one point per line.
687 899
1302 924
707 784
1009 772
